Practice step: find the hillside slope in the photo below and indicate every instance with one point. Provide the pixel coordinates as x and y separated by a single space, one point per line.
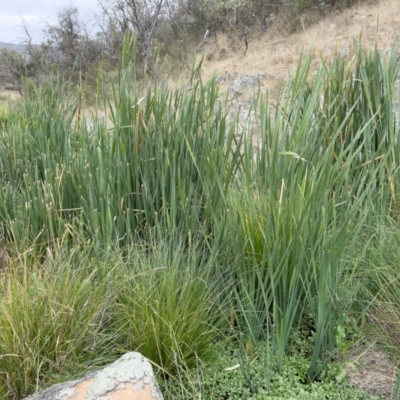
277 55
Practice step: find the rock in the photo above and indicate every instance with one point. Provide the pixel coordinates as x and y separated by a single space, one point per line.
344 50
385 52
239 105
244 85
129 378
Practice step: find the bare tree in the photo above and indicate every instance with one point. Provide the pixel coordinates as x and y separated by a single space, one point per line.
68 48
34 59
140 16
65 36
71 41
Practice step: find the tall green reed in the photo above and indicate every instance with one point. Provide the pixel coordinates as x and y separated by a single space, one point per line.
284 220
158 161
324 173
36 145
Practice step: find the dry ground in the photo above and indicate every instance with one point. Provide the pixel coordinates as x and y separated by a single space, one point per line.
277 54
7 95
371 370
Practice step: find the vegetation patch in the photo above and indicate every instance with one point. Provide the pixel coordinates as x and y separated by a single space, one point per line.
160 228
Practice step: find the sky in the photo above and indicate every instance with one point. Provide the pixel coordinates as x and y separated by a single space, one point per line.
37 13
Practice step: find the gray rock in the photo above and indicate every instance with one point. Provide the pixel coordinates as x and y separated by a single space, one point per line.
243 90
129 378
244 85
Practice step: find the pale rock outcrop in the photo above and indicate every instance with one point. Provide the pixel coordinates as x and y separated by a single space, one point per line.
243 85
129 378
242 91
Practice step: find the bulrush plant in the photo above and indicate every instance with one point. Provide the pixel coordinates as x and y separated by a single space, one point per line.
38 146
164 164
317 182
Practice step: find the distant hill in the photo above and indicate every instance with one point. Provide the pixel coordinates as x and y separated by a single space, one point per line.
17 47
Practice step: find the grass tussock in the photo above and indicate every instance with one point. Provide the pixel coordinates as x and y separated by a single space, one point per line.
166 308
53 321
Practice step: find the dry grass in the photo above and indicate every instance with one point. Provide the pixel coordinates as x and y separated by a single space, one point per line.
371 371
277 53
6 95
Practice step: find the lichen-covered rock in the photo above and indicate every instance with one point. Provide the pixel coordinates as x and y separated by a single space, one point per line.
129 378
243 85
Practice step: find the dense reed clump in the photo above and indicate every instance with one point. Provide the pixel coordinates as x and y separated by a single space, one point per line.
270 240
326 174
152 172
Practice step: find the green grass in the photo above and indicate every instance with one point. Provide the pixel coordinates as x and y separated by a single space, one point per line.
166 308
53 321
185 239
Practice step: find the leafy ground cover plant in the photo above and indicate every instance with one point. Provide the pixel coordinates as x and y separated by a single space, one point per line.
224 378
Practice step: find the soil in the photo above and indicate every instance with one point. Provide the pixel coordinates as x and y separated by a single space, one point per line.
275 53
372 372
